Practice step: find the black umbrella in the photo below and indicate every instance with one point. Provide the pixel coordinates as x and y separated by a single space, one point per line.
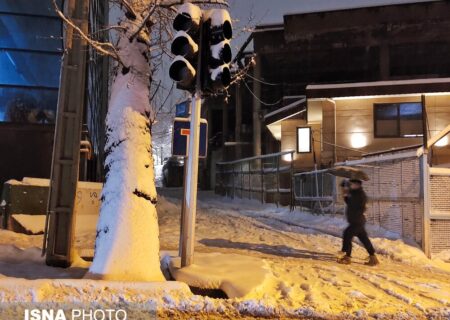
349 172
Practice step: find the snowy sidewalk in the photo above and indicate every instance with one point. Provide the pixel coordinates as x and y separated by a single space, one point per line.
300 249
304 281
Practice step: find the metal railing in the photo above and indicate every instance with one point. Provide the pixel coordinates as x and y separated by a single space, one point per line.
266 177
393 190
315 190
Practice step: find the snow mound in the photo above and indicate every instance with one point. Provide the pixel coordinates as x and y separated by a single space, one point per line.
399 251
32 224
82 290
237 275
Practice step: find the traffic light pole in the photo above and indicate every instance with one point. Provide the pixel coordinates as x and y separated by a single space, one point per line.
191 180
189 207
210 28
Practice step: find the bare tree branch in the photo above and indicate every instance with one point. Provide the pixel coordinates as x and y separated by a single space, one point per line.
129 7
144 21
105 48
240 75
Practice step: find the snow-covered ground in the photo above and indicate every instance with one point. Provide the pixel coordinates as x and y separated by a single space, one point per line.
299 250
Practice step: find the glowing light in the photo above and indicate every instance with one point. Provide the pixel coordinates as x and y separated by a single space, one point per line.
358 140
442 142
287 157
304 139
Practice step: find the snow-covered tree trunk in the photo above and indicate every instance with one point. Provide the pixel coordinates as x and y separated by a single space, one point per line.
127 242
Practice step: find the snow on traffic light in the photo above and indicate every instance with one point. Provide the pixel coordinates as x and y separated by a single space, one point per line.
185 46
220 33
202 49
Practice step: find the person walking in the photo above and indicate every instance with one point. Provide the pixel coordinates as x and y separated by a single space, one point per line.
355 199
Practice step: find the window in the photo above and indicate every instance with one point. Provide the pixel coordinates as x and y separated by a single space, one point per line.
398 120
30 60
304 140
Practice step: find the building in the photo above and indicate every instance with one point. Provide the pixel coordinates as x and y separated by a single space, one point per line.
348 82
31 48
363 87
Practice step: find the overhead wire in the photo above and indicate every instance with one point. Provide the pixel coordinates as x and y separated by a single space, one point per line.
257 98
262 81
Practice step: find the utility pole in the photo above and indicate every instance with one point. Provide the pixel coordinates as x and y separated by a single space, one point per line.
60 220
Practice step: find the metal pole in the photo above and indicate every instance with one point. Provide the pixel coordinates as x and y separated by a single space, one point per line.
424 122
262 181
292 182
426 205
191 179
182 217
189 208
242 180
425 184
278 181
249 180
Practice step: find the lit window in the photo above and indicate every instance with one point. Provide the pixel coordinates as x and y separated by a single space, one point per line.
304 140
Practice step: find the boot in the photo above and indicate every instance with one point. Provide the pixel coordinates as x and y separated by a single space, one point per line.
345 260
373 261
340 254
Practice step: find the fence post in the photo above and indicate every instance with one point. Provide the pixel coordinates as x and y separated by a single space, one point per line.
426 205
334 180
250 179
234 182
292 182
242 179
278 180
262 181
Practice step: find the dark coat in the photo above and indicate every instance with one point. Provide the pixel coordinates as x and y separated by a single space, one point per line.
356 205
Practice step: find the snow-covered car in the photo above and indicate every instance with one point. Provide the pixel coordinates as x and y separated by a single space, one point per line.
173 172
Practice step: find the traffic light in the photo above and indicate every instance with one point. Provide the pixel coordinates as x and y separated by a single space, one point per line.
220 33
185 46
203 37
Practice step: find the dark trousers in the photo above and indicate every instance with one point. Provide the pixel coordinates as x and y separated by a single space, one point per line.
359 231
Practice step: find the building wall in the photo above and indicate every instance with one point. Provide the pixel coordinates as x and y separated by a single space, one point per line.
354 117
302 161
354 45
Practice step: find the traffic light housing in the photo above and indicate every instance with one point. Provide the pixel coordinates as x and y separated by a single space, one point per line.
185 46
219 35
202 49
